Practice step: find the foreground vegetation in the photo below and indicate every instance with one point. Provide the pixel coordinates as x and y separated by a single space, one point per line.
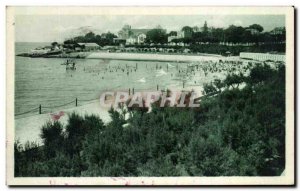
238 132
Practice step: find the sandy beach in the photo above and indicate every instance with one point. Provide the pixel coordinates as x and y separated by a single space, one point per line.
29 128
152 57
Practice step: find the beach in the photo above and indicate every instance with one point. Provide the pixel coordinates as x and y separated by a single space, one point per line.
29 128
50 85
154 57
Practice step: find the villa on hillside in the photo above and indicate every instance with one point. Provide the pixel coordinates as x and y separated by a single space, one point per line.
133 36
180 34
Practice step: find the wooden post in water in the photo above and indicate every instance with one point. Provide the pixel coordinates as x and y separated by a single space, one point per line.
157 87
129 91
132 91
76 102
40 109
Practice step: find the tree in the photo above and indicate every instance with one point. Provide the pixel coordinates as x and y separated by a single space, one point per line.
52 138
187 29
89 37
257 27
234 34
205 28
197 37
172 33
209 88
234 80
260 73
156 36
53 44
217 34
187 34
103 39
218 84
110 36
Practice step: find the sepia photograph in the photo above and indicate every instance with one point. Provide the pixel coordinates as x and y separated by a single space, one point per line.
150 95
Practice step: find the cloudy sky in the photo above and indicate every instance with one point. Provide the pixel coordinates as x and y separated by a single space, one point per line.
44 28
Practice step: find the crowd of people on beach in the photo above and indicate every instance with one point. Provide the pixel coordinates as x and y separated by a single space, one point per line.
190 74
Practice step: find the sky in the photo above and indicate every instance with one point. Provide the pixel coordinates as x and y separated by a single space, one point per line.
49 28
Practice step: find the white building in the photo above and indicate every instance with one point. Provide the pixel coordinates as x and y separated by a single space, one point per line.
89 46
141 38
133 36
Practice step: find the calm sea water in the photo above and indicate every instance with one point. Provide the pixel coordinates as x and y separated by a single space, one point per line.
45 81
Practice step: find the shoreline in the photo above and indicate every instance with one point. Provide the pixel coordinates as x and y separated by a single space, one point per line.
28 128
153 57
159 56
136 56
